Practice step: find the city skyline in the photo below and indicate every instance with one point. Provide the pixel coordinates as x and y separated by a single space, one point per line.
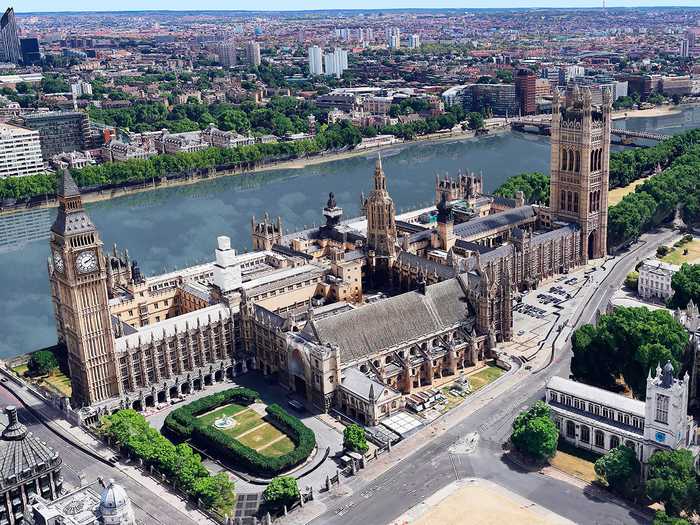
36 6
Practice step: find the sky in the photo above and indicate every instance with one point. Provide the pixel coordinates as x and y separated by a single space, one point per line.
282 5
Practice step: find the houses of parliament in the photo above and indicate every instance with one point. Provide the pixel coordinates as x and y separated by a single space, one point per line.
355 314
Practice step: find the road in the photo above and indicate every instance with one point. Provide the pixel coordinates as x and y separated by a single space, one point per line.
149 508
433 467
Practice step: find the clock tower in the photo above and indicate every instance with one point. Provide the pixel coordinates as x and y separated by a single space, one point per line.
78 278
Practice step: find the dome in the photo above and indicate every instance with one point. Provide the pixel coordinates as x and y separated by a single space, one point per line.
113 497
115 506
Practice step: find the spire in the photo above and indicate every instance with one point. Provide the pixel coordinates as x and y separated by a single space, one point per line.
67 186
379 177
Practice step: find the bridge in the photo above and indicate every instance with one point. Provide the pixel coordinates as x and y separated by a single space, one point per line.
543 125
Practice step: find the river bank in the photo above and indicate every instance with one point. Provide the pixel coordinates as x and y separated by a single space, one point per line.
294 164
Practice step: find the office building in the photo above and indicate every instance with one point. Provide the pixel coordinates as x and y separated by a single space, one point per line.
335 63
494 99
60 131
9 41
414 41
31 54
526 90
227 53
315 61
20 152
253 53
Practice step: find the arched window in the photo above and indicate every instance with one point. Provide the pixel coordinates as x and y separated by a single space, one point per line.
575 202
563 159
599 439
585 434
571 160
570 429
614 442
592 160
578 162
562 200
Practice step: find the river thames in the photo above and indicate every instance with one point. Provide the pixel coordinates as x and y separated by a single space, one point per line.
174 227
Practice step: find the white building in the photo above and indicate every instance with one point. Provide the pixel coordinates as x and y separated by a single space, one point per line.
655 279
20 152
336 63
226 139
81 88
116 151
253 53
228 54
598 420
393 36
315 61
414 41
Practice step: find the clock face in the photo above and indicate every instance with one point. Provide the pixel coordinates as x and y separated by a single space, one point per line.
58 262
86 262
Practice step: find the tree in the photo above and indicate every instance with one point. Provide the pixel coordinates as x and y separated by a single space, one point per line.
627 342
215 491
686 286
535 187
42 363
354 438
632 280
662 251
671 481
661 518
475 120
534 432
619 468
282 490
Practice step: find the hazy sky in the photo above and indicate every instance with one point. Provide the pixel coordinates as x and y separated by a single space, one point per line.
274 5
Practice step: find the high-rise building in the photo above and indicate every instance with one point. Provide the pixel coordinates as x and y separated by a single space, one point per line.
60 131
315 61
394 37
579 166
414 41
336 63
31 54
9 41
526 88
20 152
79 292
228 54
81 88
684 50
253 53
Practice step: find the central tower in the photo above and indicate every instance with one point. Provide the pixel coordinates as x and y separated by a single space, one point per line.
381 222
579 167
78 276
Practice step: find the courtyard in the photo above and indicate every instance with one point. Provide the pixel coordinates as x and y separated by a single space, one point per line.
249 427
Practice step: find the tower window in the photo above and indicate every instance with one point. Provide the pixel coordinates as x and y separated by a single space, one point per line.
661 409
578 161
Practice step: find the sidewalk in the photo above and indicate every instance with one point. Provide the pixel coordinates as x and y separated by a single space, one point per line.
54 420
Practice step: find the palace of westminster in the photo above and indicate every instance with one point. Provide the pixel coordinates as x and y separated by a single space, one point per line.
354 314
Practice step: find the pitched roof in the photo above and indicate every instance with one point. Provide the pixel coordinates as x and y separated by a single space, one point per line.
492 222
67 186
391 322
357 383
596 395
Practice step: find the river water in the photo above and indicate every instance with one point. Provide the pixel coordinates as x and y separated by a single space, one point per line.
174 227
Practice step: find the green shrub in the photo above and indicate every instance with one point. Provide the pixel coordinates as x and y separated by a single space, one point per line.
184 424
354 438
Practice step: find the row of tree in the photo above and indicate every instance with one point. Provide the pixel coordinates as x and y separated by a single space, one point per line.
335 136
535 187
179 463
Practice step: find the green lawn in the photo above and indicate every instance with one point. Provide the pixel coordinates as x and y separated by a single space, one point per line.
676 255
251 430
58 381
484 376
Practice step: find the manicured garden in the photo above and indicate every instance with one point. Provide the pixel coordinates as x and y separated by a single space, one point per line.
262 444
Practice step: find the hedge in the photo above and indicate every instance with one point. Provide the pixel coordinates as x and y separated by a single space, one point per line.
184 423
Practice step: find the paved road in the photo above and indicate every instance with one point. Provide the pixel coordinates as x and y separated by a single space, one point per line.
432 467
148 507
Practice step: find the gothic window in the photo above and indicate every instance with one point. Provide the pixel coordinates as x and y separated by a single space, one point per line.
592 160
578 162
614 442
563 200
599 439
585 434
571 160
564 160
661 408
575 202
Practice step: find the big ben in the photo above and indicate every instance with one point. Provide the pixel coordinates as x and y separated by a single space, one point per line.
78 277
